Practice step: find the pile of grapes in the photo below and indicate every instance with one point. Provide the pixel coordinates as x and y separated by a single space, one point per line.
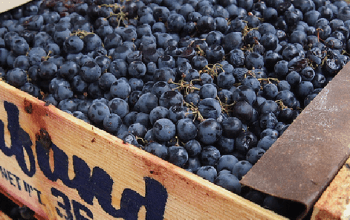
208 85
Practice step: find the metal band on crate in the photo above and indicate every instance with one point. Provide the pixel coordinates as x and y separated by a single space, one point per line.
302 163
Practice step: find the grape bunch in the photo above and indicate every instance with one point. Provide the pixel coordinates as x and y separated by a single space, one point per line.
208 85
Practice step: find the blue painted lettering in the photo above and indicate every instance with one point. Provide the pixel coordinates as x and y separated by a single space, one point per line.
89 183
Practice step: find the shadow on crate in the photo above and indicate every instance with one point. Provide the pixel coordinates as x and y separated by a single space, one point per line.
14 211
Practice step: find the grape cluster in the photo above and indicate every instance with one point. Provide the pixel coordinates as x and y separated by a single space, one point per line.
208 85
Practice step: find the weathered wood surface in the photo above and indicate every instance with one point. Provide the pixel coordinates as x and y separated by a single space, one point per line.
3 216
60 166
335 201
7 5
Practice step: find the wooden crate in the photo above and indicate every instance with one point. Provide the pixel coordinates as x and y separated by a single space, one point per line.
335 201
3 216
62 167
5 6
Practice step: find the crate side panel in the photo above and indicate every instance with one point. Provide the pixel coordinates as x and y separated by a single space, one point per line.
7 5
3 216
335 201
66 167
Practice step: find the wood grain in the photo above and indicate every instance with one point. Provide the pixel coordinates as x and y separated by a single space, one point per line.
334 203
7 5
189 196
3 216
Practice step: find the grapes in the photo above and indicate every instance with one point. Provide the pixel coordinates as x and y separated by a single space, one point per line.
193 148
241 168
137 129
207 172
209 131
119 107
120 89
90 71
31 89
210 155
254 154
47 70
16 77
229 182
209 108
178 155
207 85
186 129
158 150
243 110
112 122
164 129
73 45
226 162
146 103
266 142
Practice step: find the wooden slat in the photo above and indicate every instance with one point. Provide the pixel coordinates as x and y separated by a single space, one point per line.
7 5
188 196
334 203
3 216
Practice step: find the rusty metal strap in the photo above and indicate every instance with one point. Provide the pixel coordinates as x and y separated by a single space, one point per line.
305 159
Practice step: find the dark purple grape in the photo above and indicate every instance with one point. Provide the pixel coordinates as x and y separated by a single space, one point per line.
226 162
226 145
231 127
16 77
170 98
186 129
209 155
193 148
47 70
164 129
73 44
243 110
68 70
255 154
245 141
241 168
178 155
209 108
32 90
157 149
229 182
137 129
97 112
118 106
158 113
207 172
146 103
209 131
266 142
120 89
193 164
90 71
